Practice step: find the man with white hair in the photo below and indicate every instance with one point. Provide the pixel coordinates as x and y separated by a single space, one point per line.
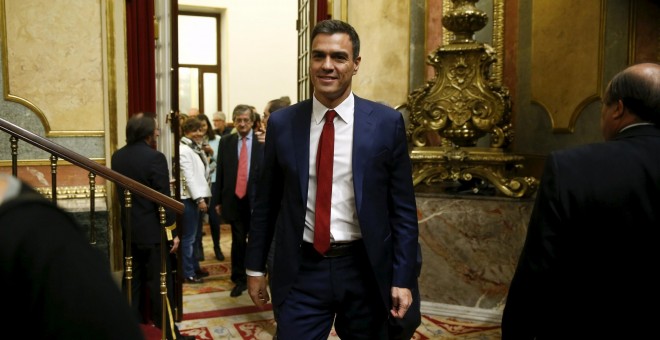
220 124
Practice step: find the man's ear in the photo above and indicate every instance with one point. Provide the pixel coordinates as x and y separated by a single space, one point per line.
618 111
357 64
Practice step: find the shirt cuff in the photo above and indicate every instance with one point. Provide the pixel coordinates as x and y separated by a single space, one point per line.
254 273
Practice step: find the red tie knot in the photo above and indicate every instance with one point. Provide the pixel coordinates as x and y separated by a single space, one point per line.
330 116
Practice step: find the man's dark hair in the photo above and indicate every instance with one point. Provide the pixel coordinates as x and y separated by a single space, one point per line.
243 108
338 26
639 92
277 104
139 127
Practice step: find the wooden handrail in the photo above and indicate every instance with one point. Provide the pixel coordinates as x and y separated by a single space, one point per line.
86 163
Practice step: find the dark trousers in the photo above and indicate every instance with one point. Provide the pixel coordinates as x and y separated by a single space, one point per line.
214 218
146 276
240 229
198 246
340 289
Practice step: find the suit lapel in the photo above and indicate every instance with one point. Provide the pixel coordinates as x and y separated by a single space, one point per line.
233 147
363 137
301 127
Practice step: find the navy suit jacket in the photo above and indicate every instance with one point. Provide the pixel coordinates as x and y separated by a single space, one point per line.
384 196
591 256
140 162
227 169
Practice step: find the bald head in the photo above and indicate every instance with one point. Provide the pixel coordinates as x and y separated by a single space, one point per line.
638 88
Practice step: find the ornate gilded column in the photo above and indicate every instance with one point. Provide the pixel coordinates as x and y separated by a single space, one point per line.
460 121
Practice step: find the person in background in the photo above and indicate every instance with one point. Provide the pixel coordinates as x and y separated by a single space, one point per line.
139 161
194 191
236 189
220 124
271 107
366 272
286 100
209 162
591 247
211 143
257 127
193 111
57 286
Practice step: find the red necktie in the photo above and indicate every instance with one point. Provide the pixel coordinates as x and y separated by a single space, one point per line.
324 161
241 176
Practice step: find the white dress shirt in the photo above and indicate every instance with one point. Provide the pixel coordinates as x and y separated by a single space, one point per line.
344 225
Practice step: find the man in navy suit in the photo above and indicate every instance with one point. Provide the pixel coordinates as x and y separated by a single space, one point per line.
234 209
367 275
590 257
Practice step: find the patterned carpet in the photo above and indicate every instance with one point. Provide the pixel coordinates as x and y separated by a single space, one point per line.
211 314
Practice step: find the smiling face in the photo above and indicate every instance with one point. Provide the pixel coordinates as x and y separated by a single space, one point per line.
332 68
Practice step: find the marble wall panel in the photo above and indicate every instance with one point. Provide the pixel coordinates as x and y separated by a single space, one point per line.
383 27
566 58
55 62
470 247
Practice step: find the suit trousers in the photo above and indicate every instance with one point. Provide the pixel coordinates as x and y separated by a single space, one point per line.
214 217
340 289
146 277
239 233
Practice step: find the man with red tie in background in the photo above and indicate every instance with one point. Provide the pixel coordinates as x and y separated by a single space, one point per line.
239 159
336 188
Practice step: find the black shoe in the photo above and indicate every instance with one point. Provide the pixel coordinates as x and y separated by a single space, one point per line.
238 290
193 280
201 272
180 336
218 254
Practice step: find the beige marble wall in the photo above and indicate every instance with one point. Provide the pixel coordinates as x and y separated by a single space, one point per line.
384 29
54 63
470 247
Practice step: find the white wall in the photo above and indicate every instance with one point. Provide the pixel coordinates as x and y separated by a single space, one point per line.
258 49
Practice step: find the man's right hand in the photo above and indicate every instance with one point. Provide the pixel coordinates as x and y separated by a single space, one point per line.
258 291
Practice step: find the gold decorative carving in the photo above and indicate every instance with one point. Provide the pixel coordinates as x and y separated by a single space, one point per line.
451 113
470 169
498 36
73 192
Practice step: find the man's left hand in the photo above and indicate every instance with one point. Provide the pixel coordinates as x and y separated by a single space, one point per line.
401 301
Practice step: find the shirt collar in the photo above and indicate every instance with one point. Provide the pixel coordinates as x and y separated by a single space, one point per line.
345 110
632 125
249 135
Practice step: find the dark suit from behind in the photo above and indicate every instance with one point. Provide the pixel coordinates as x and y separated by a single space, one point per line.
234 210
140 162
56 286
591 249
